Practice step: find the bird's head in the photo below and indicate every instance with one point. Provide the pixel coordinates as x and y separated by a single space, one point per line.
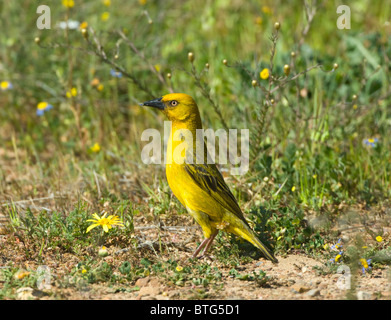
176 106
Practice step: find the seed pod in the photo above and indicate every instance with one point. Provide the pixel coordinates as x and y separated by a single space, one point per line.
37 40
287 69
254 83
169 75
277 26
84 32
103 252
225 62
190 57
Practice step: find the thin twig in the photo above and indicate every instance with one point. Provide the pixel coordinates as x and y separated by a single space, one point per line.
205 90
283 83
30 200
141 55
99 51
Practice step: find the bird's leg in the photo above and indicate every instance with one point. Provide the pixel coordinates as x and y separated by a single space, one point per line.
210 242
203 243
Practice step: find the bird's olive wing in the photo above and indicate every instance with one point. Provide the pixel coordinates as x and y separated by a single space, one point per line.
209 178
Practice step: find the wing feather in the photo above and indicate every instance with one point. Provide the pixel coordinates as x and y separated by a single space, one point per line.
209 178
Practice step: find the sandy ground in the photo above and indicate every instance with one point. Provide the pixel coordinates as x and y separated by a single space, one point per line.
295 277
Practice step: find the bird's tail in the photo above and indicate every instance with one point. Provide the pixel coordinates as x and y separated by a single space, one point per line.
249 235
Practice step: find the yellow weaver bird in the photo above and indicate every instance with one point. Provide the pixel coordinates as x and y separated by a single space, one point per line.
197 184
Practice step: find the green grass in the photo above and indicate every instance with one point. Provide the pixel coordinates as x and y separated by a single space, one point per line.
307 132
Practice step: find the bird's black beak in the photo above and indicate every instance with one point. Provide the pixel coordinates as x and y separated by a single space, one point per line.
155 103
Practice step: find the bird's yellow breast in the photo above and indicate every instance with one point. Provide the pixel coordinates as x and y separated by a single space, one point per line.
183 186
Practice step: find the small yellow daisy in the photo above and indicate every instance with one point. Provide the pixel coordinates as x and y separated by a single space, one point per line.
364 263
95 148
83 25
42 107
68 3
72 93
266 10
264 74
179 268
20 274
105 223
5 85
105 16
157 67
379 239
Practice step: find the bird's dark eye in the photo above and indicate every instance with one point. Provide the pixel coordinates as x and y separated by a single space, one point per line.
173 103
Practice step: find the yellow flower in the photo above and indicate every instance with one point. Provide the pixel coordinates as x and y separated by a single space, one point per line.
42 107
264 74
68 3
326 246
100 87
5 85
337 257
83 25
105 223
379 239
20 274
107 3
266 9
364 263
105 16
95 82
258 20
355 106
72 93
179 268
314 176
95 148
84 271
142 2
293 189
157 67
